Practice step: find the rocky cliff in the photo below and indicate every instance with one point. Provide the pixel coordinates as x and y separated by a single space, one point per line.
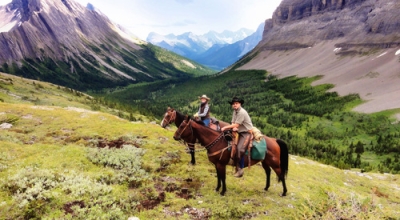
354 44
312 21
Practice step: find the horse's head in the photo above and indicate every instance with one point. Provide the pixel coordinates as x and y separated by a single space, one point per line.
185 130
169 117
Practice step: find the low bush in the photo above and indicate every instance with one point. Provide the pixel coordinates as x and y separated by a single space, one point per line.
126 161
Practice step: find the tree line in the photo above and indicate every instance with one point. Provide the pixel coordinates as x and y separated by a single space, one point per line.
316 123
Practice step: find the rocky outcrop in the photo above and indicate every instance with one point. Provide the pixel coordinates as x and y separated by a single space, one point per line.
353 21
291 10
42 28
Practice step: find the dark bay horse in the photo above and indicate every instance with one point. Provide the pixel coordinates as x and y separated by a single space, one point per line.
173 116
277 156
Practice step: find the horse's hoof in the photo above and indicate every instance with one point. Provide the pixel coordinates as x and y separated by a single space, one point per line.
222 193
265 189
283 194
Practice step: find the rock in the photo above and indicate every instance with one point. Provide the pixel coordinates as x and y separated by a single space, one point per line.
5 126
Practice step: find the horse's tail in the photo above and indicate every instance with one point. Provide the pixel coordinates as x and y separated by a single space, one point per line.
284 158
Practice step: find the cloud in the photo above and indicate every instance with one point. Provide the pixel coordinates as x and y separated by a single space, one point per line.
184 23
184 2
175 24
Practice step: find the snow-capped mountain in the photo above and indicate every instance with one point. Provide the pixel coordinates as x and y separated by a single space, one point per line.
221 56
205 48
68 44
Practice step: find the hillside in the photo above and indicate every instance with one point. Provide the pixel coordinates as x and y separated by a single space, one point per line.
53 165
316 123
355 45
65 43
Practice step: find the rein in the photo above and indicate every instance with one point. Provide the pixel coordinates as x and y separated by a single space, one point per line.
207 147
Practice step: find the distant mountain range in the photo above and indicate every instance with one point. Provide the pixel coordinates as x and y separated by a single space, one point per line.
68 44
214 50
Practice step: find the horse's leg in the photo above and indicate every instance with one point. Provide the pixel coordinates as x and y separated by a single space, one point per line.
192 150
267 170
283 185
218 179
221 170
284 163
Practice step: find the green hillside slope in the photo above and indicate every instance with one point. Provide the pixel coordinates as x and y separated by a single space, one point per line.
108 65
55 164
316 123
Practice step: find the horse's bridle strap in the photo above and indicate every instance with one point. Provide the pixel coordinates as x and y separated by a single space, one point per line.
173 117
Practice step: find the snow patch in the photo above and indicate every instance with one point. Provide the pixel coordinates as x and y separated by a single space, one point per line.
188 64
337 49
4 2
8 27
381 55
397 53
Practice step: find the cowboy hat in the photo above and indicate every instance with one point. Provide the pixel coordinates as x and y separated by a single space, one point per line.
204 97
236 99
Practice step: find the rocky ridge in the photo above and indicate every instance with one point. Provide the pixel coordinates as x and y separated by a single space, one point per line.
68 44
354 44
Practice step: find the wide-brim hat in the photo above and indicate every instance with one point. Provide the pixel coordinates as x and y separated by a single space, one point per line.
236 99
204 97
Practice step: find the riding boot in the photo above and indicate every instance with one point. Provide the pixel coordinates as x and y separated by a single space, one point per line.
239 167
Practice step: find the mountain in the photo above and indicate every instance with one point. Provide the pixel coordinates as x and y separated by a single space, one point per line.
221 56
354 44
67 44
206 49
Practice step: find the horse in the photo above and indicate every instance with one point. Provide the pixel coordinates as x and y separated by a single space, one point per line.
277 155
171 115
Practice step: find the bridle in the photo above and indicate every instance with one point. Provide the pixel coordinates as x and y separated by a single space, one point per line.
187 125
190 146
171 118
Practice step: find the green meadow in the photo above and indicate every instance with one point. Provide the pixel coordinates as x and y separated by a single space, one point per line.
69 156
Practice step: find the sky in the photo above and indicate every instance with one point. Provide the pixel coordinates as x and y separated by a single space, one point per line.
179 16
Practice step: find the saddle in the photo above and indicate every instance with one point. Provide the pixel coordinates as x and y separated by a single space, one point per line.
214 124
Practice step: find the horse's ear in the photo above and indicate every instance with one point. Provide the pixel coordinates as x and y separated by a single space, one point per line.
187 117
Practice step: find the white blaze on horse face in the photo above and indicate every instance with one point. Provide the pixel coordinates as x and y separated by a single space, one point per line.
162 122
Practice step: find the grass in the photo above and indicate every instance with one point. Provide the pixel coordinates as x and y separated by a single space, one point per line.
51 143
315 190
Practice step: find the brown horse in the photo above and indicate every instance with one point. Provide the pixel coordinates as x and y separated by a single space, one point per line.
277 155
173 116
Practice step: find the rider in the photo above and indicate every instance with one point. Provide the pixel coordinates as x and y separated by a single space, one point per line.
241 123
204 110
